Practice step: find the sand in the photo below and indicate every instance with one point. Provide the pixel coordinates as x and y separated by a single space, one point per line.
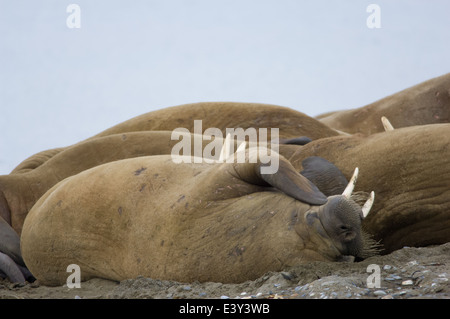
406 273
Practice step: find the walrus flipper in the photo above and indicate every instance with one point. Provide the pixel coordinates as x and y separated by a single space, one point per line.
9 269
285 178
290 182
325 175
12 265
10 242
302 140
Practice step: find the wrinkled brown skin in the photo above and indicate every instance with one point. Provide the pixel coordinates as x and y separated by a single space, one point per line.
425 103
185 222
409 171
28 181
20 191
221 115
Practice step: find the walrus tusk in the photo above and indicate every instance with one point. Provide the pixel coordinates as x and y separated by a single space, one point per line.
225 152
351 185
368 204
241 147
386 124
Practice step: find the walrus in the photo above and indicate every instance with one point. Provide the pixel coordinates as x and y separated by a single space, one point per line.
222 222
425 103
20 191
292 124
409 170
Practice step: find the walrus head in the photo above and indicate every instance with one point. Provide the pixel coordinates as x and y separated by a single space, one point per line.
339 220
336 219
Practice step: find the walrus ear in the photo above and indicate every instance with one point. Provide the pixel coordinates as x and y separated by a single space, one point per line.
290 182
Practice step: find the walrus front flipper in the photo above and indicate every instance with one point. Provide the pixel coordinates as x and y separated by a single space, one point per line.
325 175
285 178
290 182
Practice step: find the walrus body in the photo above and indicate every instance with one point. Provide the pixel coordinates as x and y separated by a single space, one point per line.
425 103
20 191
220 115
409 171
207 222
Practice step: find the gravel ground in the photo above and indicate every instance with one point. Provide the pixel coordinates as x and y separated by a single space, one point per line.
404 274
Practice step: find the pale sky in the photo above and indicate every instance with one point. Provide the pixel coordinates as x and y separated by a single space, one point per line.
60 85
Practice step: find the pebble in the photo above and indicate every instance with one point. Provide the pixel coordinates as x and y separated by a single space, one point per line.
379 293
393 277
407 283
224 297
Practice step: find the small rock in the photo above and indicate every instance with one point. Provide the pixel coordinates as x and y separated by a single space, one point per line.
224 297
187 288
387 297
387 267
379 293
393 277
412 263
407 283
286 275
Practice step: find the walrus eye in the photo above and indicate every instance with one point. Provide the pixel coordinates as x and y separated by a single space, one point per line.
346 233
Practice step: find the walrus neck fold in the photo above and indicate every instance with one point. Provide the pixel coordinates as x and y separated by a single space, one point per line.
5 213
18 193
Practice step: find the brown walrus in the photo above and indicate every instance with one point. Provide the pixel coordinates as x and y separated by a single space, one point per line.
225 222
221 115
409 171
425 103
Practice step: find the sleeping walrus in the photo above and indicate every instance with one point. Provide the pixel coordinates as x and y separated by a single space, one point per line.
223 222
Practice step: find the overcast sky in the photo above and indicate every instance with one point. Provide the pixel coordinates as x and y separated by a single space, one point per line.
60 85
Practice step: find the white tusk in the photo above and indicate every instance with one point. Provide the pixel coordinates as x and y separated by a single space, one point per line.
351 185
241 147
386 124
225 152
368 205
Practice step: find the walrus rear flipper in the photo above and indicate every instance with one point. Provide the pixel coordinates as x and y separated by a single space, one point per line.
9 269
11 262
10 242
